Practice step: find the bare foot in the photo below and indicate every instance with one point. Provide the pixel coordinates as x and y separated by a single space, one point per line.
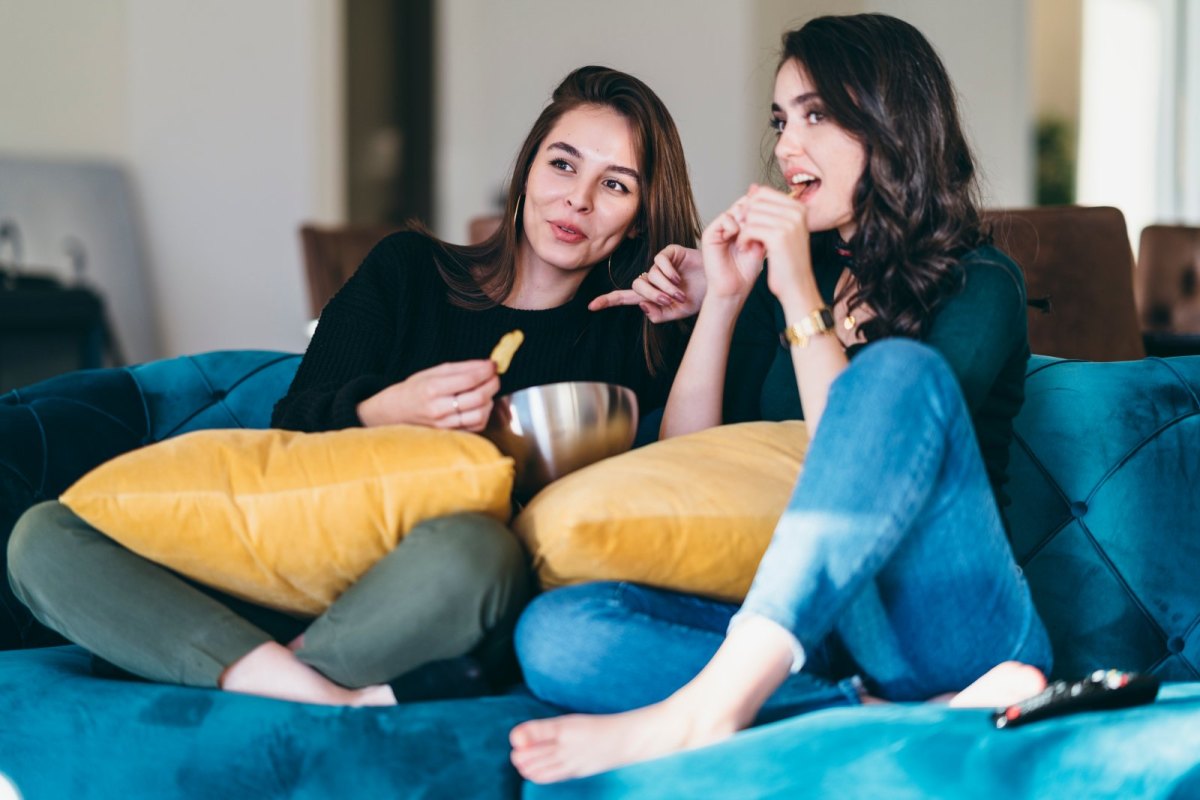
272 670
753 660
574 746
1002 685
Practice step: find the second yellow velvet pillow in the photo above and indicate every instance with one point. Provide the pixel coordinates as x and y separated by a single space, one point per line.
694 513
284 519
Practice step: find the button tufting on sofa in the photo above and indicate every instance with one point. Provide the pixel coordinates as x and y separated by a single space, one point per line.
1105 569
1104 469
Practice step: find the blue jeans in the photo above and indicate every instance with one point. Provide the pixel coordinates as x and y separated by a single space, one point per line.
891 562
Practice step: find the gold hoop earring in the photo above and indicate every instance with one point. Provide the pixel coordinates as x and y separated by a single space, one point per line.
611 279
517 213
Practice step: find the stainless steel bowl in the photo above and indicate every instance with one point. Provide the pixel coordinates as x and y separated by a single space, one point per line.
557 428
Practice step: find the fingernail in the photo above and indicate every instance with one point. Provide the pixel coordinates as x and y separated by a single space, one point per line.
681 297
663 300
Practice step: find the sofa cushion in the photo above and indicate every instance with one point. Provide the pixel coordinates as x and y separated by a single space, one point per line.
284 519
694 513
929 751
53 432
1105 519
67 733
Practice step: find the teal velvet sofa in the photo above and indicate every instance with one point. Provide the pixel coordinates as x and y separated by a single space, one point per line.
1105 522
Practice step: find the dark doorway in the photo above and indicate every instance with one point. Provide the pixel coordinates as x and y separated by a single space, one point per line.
389 110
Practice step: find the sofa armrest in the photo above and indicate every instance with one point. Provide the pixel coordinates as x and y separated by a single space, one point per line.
55 431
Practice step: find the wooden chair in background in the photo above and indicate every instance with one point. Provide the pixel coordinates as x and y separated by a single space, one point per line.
332 254
1078 266
1079 275
1168 288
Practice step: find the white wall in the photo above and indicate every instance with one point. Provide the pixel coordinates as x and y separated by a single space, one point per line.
498 63
227 115
234 138
62 78
985 47
712 62
1056 47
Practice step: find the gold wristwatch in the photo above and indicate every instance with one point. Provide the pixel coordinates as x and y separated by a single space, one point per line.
818 322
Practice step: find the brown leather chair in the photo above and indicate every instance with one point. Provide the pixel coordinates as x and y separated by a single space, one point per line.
480 228
1168 279
1079 275
332 254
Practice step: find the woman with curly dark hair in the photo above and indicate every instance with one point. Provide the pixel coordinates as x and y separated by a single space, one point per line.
888 323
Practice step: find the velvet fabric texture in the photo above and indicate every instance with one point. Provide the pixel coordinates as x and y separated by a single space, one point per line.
1105 518
929 751
284 519
69 734
1105 522
692 514
53 432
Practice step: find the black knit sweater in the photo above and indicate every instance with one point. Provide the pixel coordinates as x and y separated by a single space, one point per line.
393 318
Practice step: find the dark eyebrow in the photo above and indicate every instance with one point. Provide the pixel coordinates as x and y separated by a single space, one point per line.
798 100
571 151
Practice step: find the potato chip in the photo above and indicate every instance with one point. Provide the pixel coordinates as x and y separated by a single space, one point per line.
504 350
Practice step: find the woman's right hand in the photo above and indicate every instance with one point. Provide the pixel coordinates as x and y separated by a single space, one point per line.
456 395
671 289
730 269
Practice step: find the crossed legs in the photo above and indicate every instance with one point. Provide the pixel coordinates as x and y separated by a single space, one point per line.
892 540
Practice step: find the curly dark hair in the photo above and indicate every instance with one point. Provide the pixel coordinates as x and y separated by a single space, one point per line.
917 202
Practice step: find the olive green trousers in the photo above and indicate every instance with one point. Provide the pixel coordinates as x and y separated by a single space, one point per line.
454 585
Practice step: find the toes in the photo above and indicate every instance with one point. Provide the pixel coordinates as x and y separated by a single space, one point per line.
532 764
1004 684
541 765
537 731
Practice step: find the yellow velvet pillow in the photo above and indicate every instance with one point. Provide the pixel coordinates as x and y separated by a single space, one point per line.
694 513
285 519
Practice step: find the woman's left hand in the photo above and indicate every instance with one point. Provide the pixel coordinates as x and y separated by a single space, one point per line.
780 224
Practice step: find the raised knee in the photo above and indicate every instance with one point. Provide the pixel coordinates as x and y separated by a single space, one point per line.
474 550
903 365
37 543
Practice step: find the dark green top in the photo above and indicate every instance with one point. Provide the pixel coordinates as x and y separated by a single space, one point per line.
981 332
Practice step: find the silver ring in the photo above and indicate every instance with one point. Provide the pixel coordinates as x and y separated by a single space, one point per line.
454 399
460 419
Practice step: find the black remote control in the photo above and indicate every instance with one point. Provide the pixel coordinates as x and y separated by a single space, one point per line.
1100 690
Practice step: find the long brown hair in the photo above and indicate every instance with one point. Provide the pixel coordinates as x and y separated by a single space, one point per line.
480 276
916 204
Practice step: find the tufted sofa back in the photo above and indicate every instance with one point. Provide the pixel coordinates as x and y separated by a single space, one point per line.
1105 480
1104 471
53 432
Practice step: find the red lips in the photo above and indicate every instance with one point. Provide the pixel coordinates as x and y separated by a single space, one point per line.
566 232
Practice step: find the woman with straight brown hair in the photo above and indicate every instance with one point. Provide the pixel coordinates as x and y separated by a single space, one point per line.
599 186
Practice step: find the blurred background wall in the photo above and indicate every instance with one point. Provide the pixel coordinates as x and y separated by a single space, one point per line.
239 120
227 114
713 63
